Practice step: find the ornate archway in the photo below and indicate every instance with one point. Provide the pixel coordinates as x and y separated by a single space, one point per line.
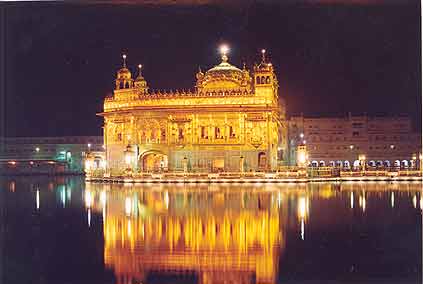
153 161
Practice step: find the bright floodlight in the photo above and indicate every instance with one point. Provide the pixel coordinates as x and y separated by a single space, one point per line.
263 51
224 49
124 56
139 66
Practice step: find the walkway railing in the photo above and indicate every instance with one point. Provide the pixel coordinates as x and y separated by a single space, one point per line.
281 173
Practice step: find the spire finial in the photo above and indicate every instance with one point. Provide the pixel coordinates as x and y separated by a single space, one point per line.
199 69
244 66
124 60
139 68
224 49
263 55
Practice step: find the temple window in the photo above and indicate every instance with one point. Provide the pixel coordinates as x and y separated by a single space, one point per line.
262 81
217 133
180 133
163 132
204 132
231 132
267 80
127 85
121 85
119 137
257 80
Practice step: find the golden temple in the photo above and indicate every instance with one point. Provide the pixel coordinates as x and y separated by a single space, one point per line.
233 121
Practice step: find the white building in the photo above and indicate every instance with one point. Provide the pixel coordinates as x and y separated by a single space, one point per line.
384 141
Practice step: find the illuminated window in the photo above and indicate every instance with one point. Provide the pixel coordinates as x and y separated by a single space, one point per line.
231 132
181 133
204 132
217 132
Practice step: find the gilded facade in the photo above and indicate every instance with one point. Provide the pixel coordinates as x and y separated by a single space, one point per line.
232 121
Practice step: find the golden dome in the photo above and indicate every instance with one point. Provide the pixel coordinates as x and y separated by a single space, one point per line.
224 76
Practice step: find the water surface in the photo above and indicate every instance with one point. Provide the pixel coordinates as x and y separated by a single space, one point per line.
62 230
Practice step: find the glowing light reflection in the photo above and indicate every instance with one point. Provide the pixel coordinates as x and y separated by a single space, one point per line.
128 206
89 217
37 199
166 199
88 199
63 197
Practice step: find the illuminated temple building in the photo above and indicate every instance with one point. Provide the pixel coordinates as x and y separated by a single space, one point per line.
232 121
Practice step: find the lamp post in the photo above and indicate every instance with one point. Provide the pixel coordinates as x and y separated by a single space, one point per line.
414 159
362 159
302 156
185 165
128 154
88 164
241 164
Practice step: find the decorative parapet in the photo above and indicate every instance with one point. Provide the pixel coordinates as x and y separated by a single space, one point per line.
181 98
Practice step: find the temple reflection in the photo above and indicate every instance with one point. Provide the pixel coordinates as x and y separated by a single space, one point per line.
221 233
221 237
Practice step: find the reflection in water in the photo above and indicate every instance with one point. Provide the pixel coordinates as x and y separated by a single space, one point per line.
362 201
89 217
392 199
232 233
37 199
217 237
303 209
88 199
215 233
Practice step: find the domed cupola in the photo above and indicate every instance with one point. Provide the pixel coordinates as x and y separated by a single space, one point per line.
264 72
265 80
224 77
140 83
123 77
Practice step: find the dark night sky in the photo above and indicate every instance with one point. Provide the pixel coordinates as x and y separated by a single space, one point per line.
331 57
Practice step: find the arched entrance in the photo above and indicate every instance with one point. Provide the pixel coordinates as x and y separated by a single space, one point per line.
262 160
153 161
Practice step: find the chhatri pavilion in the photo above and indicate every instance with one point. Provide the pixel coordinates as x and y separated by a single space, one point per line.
232 121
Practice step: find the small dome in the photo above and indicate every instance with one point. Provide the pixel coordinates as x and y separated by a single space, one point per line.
124 73
139 78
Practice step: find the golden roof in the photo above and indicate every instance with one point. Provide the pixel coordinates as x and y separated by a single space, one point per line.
224 76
